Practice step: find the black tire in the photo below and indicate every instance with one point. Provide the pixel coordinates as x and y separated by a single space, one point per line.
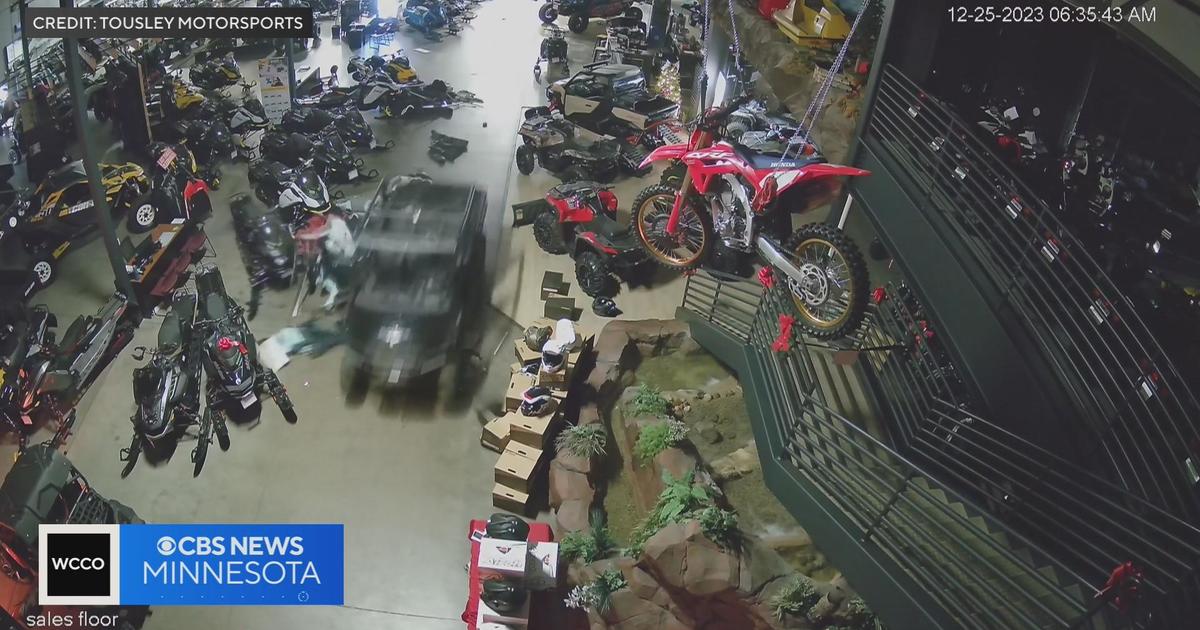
576 173
526 159
203 439
548 13
548 233
856 300
577 24
637 223
634 13
262 195
221 428
593 275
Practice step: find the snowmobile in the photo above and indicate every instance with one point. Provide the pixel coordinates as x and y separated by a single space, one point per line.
265 243
427 16
166 391
215 74
25 344
328 154
236 379
396 67
350 125
295 192
248 123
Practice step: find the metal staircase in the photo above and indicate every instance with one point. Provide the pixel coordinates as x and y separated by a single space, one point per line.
940 518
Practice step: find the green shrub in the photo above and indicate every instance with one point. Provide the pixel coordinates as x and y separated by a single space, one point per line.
860 616
796 597
595 595
585 440
589 546
720 526
649 401
658 437
679 501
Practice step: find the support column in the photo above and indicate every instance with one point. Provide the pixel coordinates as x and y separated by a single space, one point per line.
660 17
25 46
91 164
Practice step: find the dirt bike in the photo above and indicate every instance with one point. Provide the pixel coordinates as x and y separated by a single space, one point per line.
746 197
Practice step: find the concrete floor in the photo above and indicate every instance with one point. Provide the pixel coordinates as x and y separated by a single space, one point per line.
403 472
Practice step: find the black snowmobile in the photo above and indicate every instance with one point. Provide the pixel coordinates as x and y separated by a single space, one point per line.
215 74
166 391
328 154
348 121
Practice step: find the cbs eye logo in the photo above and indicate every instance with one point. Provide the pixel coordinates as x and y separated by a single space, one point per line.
78 565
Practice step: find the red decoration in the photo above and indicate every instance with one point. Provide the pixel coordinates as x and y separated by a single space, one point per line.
879 295
225 343
766 277
783 342
863 67
1123 585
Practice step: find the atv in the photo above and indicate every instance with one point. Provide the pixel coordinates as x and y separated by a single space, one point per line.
580 219
581 12
555 144
612 99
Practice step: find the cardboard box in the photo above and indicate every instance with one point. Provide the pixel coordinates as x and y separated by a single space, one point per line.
541 566
517 384
525 355
505 498
556 380
515 470
530 431
502 558
518 618
528 451
496 433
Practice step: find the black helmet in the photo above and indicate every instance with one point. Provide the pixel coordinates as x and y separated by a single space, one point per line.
537 336
605 307
553 360
507 527
502 596
535 401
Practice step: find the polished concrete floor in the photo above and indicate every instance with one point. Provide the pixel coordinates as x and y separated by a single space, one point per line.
403 472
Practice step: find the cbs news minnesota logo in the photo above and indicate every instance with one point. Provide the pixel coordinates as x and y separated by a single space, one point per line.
79 565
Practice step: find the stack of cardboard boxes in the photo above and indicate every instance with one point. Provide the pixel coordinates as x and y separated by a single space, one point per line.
522 440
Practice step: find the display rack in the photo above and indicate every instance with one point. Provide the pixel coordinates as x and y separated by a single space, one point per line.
1129 407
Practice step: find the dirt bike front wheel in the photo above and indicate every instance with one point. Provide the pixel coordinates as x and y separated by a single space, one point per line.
685 249
831 295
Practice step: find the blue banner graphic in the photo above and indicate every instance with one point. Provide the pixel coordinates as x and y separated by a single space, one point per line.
228 565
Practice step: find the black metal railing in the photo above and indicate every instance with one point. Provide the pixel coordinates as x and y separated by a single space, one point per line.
1135 414
980 572
1088 524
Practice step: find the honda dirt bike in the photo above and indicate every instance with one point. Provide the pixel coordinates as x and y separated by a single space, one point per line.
235 379
167 390
746 198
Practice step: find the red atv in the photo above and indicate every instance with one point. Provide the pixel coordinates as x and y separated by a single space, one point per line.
580 12
580 219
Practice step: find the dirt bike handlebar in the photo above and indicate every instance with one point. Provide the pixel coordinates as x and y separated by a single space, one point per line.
715 116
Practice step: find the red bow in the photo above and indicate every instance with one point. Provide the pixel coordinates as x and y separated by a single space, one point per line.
225 343
766 277
879 295
783 342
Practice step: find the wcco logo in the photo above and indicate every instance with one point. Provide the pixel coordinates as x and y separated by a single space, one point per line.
78 565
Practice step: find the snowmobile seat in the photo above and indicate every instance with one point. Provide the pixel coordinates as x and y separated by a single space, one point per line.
170 335
73 338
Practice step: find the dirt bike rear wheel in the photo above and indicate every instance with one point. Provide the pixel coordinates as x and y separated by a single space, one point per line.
548 233
832 300
684 250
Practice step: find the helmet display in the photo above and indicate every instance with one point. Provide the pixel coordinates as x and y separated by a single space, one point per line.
536 401
507 527
553 360
502 596
537 336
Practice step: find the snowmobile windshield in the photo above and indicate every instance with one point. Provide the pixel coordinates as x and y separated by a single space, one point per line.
230 357
313 188
254 106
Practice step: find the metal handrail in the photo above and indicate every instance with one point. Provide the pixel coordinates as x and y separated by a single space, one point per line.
1096 342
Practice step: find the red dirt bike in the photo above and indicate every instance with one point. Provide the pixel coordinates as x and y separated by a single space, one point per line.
746 198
